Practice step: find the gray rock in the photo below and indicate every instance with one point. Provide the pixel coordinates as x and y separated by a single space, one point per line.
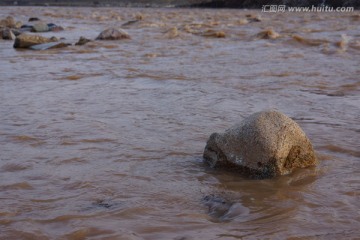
40 27
113 34
266 144
27 40
7 34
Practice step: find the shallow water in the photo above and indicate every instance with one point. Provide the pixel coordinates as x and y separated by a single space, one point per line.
105 141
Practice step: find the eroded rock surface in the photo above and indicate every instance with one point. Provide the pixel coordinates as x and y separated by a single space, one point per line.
266 144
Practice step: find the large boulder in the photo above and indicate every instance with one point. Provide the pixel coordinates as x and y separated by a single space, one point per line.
264 145
113 34
27 40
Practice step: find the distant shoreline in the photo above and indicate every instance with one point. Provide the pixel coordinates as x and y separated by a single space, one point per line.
181 3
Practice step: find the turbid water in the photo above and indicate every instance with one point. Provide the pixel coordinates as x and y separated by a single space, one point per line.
105 140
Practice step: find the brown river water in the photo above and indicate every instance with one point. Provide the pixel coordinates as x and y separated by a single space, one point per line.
105 140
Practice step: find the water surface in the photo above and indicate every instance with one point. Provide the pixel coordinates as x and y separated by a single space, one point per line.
105 140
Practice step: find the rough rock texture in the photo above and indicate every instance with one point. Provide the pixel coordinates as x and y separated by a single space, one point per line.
27 40
266 144
113 34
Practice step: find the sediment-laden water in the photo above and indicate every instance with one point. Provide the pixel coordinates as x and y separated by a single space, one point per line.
105 140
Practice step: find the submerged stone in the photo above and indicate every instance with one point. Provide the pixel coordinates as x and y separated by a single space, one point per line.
113 34
223 210
266 144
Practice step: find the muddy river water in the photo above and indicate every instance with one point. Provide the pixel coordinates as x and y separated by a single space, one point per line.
105 140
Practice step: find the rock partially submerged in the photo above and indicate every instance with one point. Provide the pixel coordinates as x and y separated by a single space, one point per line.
82 41
222 209
213 33
7 34
33 19
266 144
40 27
268 34
113 34
27 40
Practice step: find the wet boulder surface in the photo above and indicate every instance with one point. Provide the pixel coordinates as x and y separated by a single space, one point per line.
264 145
27 40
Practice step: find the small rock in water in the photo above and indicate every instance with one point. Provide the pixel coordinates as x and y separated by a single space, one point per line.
27 40
212 33
222 209
33 19
40 27
55 28
7 34
265 144
253 18
172 32
268 34
82 41
113 34
128 23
